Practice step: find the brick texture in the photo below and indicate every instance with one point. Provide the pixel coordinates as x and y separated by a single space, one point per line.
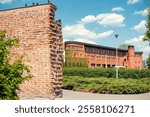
41 42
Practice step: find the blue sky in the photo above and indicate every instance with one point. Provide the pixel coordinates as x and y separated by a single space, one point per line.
96 21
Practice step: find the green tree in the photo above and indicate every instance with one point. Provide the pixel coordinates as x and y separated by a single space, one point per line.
11 74
147 34
148 61
124 46
71 61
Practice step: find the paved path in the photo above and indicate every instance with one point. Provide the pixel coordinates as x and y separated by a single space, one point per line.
72 95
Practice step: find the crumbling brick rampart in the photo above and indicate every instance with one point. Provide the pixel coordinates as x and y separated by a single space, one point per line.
40 39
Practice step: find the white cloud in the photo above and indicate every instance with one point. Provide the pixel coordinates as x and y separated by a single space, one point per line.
5 1
140 27
145 49
88 19
132 1
111 19
135 40
84 40
64 40
104 34
106 19
79 31
140 45
142 12
118 9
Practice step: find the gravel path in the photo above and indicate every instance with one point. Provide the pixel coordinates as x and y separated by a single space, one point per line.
72 95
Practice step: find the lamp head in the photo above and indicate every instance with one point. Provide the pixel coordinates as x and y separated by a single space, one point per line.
116 35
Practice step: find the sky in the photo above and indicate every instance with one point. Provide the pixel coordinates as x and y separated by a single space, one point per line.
97 21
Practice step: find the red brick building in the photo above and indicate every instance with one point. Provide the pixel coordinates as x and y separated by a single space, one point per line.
98 56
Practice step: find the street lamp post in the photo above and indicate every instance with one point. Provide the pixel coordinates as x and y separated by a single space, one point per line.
116 36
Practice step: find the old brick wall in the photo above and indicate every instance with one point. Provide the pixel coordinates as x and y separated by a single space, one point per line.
41 44
56 56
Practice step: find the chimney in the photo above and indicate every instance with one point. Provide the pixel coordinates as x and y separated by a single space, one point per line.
131 56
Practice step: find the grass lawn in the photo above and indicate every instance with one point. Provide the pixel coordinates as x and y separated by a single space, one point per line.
107 85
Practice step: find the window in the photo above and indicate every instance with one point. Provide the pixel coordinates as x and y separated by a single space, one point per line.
108 65
98 65
103 51
87 49
92 65
103 65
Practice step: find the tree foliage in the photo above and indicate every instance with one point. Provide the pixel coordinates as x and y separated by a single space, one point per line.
124 46
107 85
108 73
147 34
11 75
72 61
148 61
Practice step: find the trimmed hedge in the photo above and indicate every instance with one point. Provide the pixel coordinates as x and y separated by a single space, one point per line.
109 73
107 86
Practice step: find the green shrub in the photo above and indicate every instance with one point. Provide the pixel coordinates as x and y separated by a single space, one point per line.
109 73
107 85
11 75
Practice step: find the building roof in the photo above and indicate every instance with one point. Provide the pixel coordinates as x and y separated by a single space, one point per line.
100 46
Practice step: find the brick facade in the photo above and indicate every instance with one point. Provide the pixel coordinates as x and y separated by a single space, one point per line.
98 56
41 42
